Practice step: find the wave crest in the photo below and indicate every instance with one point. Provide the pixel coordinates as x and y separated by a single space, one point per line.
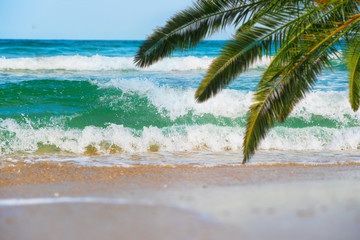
98 62
231 103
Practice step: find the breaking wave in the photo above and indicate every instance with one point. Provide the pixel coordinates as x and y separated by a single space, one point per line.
137 115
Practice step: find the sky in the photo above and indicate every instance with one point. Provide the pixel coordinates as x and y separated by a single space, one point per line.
87 19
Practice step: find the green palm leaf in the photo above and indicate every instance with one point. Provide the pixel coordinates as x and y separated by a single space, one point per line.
246 48
188 27
353 62
275 99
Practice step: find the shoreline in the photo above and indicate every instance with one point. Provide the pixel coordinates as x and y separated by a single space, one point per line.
46 172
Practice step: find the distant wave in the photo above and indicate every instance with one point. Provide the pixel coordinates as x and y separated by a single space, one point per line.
97 63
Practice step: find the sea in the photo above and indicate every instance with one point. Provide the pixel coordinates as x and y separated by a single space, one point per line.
84 102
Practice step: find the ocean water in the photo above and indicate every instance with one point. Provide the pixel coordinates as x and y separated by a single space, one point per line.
84 102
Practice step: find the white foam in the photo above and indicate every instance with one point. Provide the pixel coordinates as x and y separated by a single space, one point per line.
331 105
173 139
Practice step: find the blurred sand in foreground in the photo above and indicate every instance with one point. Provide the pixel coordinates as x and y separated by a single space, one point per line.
51 201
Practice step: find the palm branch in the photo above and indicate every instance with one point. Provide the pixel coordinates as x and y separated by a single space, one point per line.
352 57
304 34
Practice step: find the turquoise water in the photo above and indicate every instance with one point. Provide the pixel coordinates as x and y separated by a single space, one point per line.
74 100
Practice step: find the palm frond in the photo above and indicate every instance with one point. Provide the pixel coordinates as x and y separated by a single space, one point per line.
292 45
185 30
275 99
353 63
249 46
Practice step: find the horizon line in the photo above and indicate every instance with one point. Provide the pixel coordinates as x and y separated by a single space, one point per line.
94 39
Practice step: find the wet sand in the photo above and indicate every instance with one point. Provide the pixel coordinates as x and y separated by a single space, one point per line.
52 201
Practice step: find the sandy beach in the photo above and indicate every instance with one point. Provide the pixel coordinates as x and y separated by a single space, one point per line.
52 201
